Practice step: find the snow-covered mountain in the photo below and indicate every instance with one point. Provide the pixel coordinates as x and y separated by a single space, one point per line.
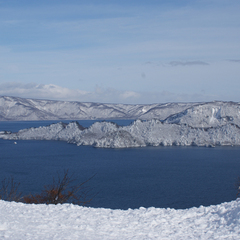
211 114
20 109
203 124
219 130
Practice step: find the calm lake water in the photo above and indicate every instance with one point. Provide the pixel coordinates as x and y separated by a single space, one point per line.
176 177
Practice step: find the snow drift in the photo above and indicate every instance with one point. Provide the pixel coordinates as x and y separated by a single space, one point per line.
67 221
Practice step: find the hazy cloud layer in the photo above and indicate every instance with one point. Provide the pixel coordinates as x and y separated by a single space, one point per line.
54 92
33 90
235 60
188 63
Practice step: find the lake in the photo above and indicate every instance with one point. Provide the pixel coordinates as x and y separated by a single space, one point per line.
175 177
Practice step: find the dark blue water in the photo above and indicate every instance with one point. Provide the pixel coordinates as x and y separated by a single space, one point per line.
176 177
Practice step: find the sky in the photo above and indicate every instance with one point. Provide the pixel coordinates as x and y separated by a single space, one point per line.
120 51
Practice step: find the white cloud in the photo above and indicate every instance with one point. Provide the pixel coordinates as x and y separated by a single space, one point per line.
51 91
129 94
54 92
33 90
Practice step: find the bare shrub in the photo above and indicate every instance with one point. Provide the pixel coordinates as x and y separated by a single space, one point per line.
61 191
9 190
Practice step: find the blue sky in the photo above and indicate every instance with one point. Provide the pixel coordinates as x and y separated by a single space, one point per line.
121 51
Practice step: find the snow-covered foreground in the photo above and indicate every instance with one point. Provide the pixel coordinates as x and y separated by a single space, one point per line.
67 221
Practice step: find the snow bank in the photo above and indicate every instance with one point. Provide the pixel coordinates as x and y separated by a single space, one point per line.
67 221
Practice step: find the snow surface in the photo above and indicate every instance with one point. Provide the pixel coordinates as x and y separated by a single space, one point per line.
206 124
67 221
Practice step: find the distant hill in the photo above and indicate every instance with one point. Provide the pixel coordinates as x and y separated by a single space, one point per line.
21 109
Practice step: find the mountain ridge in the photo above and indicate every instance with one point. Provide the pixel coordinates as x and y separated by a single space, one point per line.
24 109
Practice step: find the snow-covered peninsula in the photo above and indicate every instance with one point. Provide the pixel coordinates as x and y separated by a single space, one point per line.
206 124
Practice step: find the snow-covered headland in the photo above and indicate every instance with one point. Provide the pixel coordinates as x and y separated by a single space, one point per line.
208 124
67 221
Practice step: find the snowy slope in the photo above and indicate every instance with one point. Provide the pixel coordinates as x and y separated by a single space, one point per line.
20 109
208 115
67 221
